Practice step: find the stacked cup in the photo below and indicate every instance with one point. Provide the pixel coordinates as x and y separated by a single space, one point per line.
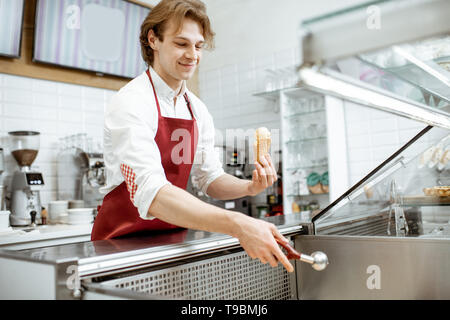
57 211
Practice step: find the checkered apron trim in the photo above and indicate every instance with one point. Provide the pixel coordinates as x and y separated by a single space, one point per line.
130 180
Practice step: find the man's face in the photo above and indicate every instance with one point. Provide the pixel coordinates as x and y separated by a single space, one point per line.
178 55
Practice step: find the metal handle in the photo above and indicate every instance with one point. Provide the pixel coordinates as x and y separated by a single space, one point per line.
318 260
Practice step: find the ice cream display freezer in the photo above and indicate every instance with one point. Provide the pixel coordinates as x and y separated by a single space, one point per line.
182 264
386 237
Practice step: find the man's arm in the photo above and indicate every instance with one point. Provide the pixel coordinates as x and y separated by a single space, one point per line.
228 187
176 206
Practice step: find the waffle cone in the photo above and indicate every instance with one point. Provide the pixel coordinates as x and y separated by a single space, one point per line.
262 143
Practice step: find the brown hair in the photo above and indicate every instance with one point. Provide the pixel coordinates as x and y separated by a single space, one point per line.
178 9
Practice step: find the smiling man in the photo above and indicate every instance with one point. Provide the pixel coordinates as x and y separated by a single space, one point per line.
157 132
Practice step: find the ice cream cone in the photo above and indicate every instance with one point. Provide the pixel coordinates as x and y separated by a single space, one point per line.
262 143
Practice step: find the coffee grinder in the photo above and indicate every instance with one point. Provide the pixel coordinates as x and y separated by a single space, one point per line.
26 184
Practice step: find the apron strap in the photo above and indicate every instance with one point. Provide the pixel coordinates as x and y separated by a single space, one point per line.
154 92
186 98
188 102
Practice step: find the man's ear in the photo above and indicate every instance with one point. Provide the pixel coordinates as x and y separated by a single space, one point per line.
151 37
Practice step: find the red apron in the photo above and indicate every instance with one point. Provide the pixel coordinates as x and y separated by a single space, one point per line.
117 215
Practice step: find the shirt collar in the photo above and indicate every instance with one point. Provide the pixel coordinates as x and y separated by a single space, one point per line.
162 88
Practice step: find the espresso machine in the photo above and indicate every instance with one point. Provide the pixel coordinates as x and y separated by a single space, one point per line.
81 170
93 178
26 183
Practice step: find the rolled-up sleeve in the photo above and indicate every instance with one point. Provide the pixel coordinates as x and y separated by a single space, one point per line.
134 148
207 166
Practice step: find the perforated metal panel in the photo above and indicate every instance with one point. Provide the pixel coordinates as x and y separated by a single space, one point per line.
230 277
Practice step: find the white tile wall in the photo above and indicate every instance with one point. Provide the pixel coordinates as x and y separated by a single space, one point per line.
55 110
373 136
228 92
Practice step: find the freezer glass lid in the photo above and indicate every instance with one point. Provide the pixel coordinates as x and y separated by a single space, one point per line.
374 44
414 181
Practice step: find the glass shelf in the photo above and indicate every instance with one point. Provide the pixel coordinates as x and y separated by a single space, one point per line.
304 140
424 65
425 201
307 195
307 167
294 92
304 113
272 95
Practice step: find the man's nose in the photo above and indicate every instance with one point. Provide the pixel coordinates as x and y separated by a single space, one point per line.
191 53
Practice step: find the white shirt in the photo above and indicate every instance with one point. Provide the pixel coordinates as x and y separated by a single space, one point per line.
131 123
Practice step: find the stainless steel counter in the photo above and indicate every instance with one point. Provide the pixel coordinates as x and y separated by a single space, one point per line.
144 250
21 238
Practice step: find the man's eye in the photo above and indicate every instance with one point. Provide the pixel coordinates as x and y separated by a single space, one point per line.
180 44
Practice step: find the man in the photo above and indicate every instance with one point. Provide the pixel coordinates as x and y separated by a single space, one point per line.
146 123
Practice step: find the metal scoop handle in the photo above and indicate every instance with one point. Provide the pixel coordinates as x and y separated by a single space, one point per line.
318 260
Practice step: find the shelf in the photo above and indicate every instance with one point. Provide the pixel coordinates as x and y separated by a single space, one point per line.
409 73
425 201
304 113
296 92
307 195
305 140
307 167
271 95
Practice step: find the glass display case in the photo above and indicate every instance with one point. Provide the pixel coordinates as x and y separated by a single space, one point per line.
410 77
408 195
387 236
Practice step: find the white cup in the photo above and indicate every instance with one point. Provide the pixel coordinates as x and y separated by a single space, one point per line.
4 219
57 209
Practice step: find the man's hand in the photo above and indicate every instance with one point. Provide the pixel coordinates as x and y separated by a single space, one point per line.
263 176
258 239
